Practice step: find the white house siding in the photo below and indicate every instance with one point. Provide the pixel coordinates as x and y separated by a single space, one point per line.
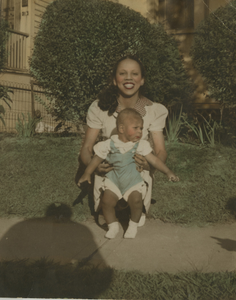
140 6
39 9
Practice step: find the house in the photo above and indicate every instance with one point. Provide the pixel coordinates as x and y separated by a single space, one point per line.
179 17
24 17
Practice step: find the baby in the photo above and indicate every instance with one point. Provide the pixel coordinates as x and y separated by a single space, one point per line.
124 181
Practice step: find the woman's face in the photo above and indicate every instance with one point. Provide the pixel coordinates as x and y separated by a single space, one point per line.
128 77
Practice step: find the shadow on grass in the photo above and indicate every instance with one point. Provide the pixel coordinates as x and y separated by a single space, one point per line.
51 257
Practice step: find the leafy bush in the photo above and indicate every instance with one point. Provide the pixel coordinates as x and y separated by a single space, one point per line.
4 96
26 128
214 53
3 39
173 127
80 40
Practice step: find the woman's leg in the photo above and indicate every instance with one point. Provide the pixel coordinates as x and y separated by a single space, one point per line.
108 203
136 206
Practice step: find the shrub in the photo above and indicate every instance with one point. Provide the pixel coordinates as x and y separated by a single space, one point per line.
26 128
4 96
214 53
79 41
3 39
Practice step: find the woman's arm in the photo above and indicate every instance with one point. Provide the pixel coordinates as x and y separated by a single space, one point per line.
159 145
86 152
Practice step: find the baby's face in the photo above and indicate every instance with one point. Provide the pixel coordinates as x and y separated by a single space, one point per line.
133 130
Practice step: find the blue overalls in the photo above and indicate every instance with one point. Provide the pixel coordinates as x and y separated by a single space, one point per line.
124 175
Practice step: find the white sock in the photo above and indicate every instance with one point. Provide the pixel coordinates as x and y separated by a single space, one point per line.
113 229
131 231
142 220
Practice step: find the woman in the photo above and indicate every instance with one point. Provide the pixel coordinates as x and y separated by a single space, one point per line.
125 90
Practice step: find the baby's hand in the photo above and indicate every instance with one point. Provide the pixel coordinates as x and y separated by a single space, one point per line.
172 177
85 177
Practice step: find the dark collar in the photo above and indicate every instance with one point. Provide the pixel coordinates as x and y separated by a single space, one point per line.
139 106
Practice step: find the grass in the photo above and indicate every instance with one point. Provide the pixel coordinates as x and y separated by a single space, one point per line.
37 175
47 279
40 171
37 172
206 192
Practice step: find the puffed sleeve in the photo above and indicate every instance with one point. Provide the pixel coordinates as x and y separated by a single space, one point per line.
159 114
101 149
144 148
95 116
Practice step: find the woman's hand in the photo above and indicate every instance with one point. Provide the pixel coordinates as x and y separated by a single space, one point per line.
85 177
104 168
141 163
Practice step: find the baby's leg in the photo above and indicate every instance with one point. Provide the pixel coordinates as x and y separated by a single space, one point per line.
136 205
108 202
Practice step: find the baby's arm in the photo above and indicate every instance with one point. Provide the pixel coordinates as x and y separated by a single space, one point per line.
159 165
96 160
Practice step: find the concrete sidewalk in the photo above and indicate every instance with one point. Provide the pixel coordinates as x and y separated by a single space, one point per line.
158 246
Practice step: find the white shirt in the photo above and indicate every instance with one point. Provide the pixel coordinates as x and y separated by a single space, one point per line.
101 149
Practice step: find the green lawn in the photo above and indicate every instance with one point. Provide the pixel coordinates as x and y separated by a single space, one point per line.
37 172
207 190
46 279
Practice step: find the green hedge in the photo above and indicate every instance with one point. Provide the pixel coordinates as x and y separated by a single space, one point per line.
214 53
3 39
79 41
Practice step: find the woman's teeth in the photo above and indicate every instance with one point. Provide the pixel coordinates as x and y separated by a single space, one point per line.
129 85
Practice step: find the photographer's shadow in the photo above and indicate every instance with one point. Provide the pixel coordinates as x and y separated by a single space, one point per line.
53 237
52 257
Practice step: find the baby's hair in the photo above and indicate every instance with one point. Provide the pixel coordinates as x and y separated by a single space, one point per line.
127 113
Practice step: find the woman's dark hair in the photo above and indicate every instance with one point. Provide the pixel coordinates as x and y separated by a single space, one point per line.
108 96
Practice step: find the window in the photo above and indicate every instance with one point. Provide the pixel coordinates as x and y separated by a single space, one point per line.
179 14
8 12
24 3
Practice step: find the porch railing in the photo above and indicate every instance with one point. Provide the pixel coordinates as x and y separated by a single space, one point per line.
17 51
